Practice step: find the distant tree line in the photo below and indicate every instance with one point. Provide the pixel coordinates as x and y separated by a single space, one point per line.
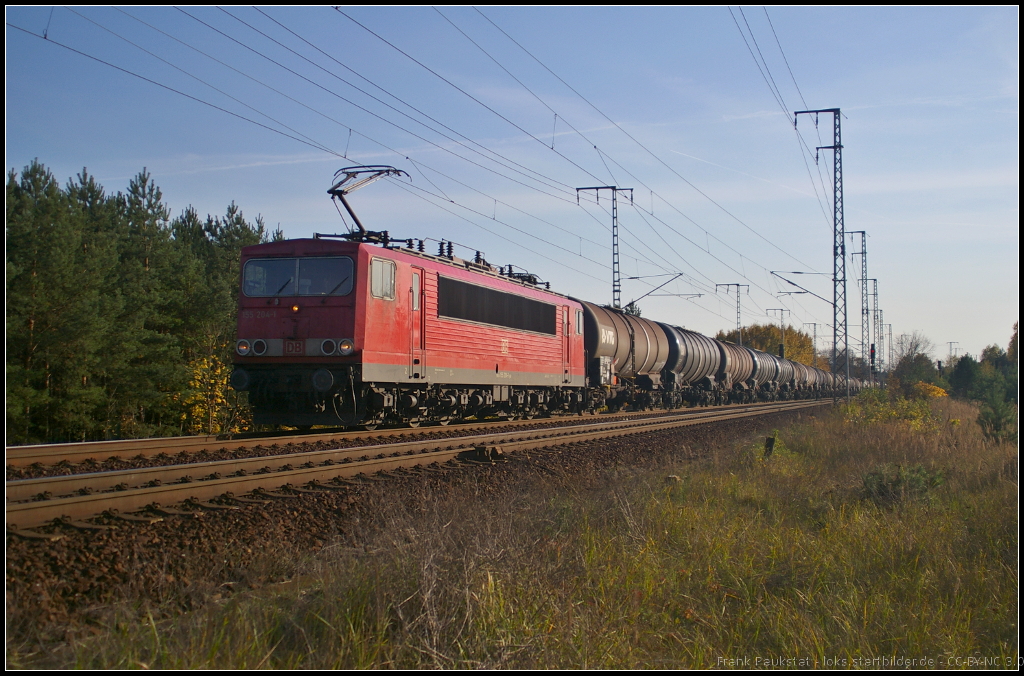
990 380
120 319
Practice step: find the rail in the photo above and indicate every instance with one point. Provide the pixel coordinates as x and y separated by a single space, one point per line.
36 502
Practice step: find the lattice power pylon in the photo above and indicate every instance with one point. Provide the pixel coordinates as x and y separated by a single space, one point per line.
865 311
841 339
616 279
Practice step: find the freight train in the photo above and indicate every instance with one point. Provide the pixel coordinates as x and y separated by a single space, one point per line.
351 333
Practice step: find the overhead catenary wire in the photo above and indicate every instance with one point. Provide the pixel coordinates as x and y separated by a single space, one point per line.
600 153
168 88
793 77
421 192
597 150
463 91
310 142
769 80
433 72
549 179
641 145
603 155
199 79
420 164
362 108
375 98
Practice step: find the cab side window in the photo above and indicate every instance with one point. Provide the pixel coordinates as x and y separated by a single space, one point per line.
382 279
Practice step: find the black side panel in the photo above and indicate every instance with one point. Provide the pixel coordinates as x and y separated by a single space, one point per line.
459 300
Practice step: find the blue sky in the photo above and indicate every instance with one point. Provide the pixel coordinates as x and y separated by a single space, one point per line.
496 135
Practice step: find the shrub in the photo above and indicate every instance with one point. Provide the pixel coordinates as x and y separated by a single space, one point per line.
888 484
927 391
998 419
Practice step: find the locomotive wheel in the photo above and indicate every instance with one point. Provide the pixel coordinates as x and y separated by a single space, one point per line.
369 428
413 423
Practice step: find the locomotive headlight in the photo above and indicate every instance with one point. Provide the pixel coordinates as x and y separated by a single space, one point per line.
259 347
322 380
346 347
243 348
328 346
295 308
240 380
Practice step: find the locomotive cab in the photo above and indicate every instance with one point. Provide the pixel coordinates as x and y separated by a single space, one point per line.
297 339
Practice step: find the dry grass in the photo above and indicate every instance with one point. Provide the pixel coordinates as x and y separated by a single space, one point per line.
794 558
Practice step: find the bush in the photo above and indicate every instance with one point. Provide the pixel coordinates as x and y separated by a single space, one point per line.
876 406
888 484
927 391
998 419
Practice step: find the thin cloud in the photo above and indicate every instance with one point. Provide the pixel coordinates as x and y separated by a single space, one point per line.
765 180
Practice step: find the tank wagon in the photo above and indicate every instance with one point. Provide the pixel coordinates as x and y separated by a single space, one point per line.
355 333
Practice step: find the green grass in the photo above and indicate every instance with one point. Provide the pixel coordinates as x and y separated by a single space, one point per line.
862 537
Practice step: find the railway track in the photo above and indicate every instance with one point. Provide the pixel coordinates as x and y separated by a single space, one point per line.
147 493
79 452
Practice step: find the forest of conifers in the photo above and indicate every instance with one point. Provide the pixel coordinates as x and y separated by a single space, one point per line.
120 319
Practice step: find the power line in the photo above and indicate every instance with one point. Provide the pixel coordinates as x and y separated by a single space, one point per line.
551 180
603 155
768 79
641 145
170 89
310 142
321 147
784 57
363 108
600 154
198 79
777 95
400 112
463 91
399 127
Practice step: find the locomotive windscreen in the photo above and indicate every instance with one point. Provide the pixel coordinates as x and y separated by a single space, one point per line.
297 276
459 300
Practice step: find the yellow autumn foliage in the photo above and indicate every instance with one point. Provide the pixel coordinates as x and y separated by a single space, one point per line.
928 391
210 407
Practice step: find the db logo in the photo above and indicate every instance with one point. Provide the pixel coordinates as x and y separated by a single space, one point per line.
294 347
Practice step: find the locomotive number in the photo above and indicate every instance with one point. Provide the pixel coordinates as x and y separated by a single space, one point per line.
504 345
258 314
503 375
294 347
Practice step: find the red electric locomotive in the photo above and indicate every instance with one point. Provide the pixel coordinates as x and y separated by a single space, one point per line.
357 331
347 333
